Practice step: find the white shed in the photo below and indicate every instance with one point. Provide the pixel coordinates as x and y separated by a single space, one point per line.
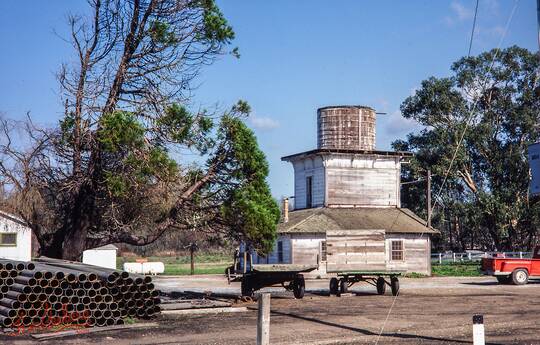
102 256
15 238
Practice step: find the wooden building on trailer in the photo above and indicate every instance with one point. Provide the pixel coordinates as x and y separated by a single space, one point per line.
346 185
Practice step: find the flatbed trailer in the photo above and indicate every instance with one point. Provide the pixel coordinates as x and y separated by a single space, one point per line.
379 279
254 277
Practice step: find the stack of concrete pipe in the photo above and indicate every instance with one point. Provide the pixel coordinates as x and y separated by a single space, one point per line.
51 292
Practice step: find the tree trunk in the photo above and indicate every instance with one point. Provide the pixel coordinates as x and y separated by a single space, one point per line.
78 225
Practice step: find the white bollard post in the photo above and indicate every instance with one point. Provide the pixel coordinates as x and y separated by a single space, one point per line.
263 320
521 255
478 330
440 258
470 256
454 257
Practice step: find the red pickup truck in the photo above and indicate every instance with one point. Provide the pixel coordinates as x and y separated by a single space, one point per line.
512 270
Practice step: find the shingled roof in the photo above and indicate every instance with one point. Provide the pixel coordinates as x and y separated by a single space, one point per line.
319 220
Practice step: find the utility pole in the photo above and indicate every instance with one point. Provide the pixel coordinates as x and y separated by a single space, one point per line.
538 17
428 196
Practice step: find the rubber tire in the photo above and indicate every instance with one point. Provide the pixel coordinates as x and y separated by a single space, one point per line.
343 286
503 279
520 276
394 284
299 287
246 288
334 286
381 286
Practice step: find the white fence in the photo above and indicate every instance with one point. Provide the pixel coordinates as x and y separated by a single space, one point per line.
476 256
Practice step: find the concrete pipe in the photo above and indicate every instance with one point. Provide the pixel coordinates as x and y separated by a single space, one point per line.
9 303
21 297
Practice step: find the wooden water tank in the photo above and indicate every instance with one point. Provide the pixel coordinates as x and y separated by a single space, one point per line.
349 127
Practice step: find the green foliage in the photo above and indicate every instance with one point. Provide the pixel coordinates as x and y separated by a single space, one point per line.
484 203
216 27
180 126
160 33
250 210
120 130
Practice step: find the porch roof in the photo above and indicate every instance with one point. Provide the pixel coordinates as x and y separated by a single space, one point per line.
319 220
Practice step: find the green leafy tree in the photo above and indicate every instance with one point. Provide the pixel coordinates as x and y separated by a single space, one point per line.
119 166
494 98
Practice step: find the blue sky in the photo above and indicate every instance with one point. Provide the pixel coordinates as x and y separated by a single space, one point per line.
296 56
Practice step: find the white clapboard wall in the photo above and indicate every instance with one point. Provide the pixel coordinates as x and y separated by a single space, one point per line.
355 250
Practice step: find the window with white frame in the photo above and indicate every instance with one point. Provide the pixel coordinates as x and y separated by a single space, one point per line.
396 250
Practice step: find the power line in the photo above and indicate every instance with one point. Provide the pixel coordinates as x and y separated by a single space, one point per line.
459 143
474 28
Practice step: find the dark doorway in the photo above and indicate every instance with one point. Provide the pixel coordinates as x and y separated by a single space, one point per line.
309 195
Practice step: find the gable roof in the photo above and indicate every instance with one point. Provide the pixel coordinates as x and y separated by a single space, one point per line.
318 220
12 217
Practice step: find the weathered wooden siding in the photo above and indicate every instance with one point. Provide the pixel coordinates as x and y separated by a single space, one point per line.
302 169
306 250
362 181
355 250
417 253
346 127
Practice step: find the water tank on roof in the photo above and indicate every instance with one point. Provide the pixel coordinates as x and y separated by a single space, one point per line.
348 127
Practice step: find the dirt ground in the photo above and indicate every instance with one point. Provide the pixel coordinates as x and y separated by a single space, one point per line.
427 311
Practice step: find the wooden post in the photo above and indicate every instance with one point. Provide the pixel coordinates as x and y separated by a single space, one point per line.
263 320
245 260
428 197
191 251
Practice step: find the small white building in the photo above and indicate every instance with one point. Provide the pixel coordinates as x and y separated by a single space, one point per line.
15 238
104 256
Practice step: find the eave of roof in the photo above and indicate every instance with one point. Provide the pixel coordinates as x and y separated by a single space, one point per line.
12 217
346 151
319 220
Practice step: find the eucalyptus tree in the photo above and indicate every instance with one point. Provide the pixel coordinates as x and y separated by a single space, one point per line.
478 124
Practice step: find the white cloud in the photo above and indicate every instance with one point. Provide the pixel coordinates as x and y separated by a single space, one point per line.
397 125
263 122
461 12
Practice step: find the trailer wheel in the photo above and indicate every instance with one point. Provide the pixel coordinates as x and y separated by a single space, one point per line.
334 286
520 276
246 288
504 279
299 286
343 286
394 284
381 286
